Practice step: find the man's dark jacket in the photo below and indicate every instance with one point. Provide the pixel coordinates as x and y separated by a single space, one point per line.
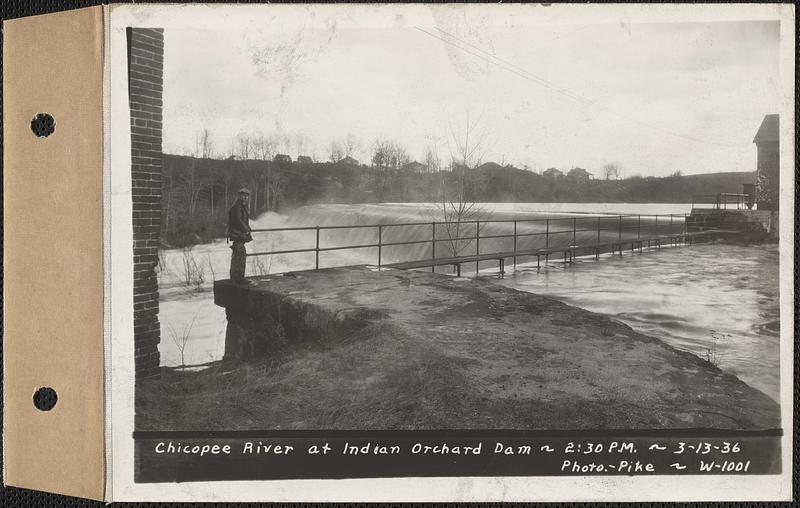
239 223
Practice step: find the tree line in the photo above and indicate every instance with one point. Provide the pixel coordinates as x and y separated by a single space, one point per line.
197 192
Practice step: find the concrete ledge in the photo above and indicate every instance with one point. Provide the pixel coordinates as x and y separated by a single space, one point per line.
462 353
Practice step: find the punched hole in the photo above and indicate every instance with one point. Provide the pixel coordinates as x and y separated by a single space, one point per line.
43 125
45 398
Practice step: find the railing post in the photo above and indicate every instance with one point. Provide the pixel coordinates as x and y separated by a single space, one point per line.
547 239
316 252
598 229
477 245
433 245
655 228
515 244
639 230
380 244
671 231
547 233
574 229
620 230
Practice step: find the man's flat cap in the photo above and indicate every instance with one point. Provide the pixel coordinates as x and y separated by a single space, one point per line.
244 190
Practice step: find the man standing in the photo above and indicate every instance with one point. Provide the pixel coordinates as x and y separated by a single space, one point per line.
239 234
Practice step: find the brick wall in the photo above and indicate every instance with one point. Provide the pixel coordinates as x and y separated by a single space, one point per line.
768 176
145 81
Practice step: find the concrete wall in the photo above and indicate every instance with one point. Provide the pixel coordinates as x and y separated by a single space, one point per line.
767 176
768 219
145 82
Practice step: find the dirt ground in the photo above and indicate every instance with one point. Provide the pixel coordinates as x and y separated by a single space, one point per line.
430 351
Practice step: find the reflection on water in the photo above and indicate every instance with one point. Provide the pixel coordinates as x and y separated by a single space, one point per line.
682 296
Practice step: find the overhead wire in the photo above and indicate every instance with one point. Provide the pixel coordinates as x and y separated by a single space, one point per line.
508 66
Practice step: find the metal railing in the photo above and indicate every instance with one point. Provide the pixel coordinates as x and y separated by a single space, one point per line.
722 201
556 231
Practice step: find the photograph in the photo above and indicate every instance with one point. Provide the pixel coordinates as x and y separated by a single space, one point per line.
400 252
456 218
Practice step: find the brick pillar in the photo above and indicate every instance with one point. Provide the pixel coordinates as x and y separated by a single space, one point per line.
145 81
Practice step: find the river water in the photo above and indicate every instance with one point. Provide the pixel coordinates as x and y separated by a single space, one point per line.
715 300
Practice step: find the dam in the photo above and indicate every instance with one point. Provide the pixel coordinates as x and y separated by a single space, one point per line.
429 349
292 329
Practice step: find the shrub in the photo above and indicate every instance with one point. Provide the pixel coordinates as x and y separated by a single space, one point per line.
193 273
712 354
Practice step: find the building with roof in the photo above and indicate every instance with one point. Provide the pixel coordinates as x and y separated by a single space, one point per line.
348 161
768 165
552 173
579 175
414 167
282 158
304 159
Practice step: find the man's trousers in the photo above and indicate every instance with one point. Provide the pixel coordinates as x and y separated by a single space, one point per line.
238 261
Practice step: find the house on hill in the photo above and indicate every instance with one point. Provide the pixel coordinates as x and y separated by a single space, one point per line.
768 162
282 158
552 173
491 166
414 167
579 175
304 159
349 161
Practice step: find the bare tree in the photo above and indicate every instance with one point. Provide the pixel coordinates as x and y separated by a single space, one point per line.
227 179
389 154
204 146
460 188
210 264
335 152
193 272
247 149
387 157
181 341
350 145
284 143
612 170
212 187
254 183
193 186
244 144
264 147
398 156
458 206
299 143
433 163
167 199
277 186
263 150
204 149
380 155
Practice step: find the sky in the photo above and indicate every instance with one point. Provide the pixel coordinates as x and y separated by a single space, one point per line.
653 98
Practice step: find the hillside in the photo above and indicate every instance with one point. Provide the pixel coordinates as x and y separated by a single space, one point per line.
196 193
